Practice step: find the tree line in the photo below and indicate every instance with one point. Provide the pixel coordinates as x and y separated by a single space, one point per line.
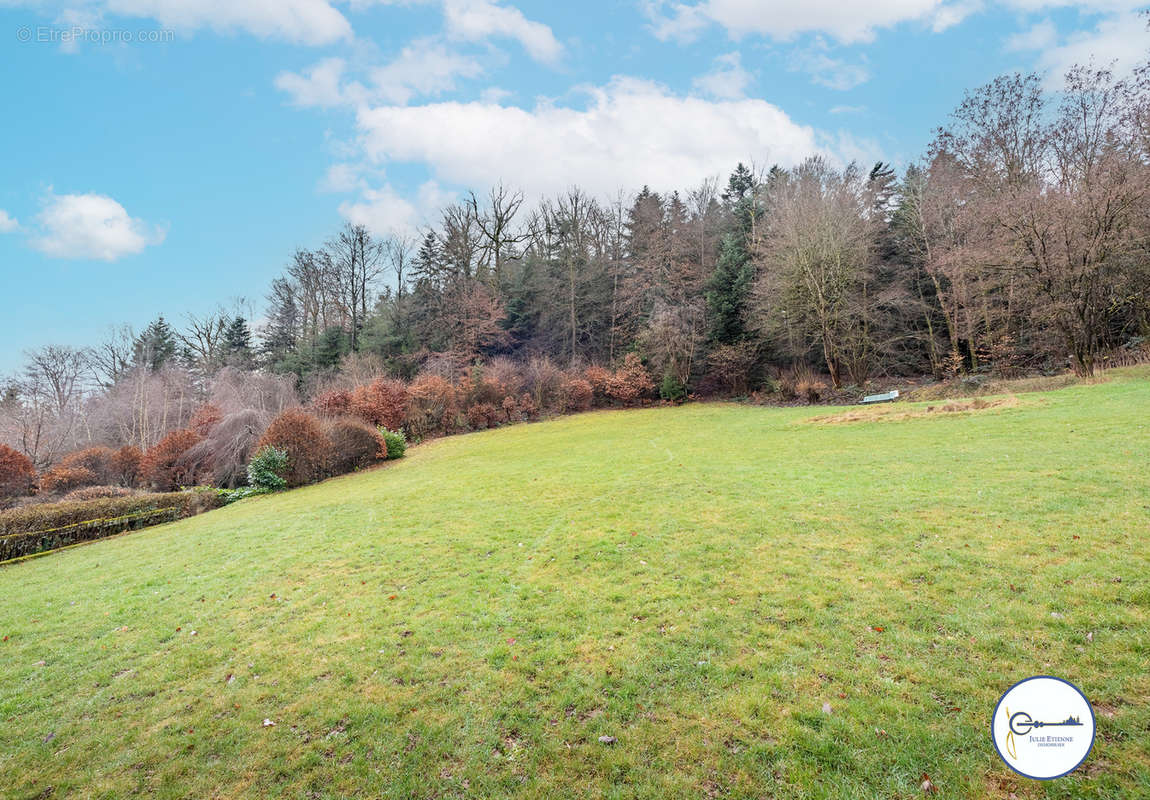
1018 242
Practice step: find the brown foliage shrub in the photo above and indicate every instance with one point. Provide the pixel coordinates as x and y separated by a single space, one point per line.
336 403
505 373
808 384
63 479
126 465
205 418
431 406
631 382
96 493
527 407
17 475
301 435
165 466
381 402
480 386
577 395
510 408
100 461
354 445
482 415
599 378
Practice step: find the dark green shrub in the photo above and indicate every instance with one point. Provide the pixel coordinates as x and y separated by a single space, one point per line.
672 389
395 442
267 469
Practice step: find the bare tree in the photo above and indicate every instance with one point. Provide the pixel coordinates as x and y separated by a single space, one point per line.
114 356
816 263
356 260
496 222
203 339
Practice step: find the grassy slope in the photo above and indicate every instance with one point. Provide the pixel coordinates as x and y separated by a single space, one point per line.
697 582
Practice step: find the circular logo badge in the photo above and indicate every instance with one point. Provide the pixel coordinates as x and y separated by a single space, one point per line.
1043 727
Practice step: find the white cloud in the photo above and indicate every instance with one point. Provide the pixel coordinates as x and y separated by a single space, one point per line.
477 20
783 19
494 95
728 80
423 67
319 86
608 145
91 226
847 22
341 178
826 70
8 223
312 22
1038 37
385 211
1118 41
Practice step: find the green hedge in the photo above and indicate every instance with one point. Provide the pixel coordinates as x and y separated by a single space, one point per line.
48 526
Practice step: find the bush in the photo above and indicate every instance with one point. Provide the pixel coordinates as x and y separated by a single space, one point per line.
482 415
672 389
631 382
222 457
93 466
354 445
600 379
267 469
165 467
527 407
577 395
545 384
17 475
481 386
381 402
301 436
336 403
47 526
510 408
395 443
96 493
126 465
64 479
431 406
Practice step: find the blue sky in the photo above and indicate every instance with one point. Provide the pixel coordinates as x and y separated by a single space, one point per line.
166 156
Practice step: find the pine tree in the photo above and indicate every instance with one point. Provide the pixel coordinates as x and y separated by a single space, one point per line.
728 289
238 342
156 346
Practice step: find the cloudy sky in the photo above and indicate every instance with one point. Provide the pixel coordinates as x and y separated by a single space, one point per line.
160 156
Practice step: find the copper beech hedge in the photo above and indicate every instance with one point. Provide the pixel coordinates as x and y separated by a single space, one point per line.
48 526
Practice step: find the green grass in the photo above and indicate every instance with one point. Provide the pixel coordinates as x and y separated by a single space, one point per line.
695 581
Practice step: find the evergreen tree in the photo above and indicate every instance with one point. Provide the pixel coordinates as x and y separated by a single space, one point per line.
330 347
238 342
156 345
728 289
281 335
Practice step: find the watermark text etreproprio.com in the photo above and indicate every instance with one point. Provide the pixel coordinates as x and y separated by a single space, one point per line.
76 34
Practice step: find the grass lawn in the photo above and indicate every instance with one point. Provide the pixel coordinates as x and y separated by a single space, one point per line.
697 582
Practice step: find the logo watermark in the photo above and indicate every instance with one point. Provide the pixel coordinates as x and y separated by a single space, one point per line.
77 34
1043 727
